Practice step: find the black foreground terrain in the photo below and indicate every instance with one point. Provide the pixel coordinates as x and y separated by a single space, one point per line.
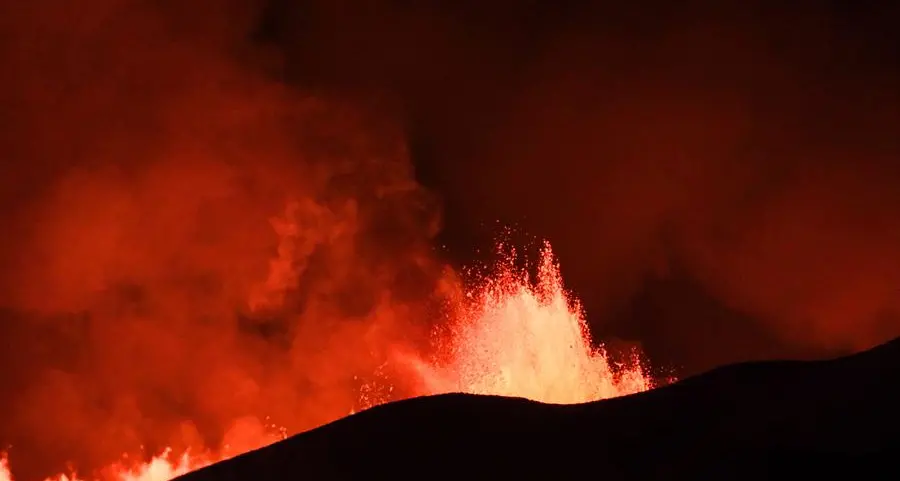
765 420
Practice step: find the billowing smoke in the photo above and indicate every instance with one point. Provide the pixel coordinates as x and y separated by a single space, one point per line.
188 241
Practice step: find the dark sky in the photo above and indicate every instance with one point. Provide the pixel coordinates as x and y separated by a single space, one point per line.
652 145
718 179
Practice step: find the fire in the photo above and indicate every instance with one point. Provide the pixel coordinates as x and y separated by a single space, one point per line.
509 336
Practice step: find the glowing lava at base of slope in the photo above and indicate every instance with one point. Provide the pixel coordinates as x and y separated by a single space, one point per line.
160 468
510 337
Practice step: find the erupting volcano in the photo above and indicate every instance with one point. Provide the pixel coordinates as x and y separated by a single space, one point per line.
509 335
239 233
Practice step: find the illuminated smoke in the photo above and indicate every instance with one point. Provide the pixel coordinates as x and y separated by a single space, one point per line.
509 337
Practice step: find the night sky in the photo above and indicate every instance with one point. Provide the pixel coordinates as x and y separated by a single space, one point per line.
632 136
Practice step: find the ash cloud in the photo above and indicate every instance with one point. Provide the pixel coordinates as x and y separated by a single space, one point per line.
188 240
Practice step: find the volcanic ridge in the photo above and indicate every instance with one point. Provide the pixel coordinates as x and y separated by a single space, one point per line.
758 420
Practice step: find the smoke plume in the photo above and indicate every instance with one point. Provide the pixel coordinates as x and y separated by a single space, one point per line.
189 241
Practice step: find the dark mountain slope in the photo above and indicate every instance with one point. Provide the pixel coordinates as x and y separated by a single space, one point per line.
765 420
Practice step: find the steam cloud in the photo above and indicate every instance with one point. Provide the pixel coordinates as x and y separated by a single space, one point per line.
187 236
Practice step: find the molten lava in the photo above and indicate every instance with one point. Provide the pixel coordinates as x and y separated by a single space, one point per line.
515 338
510 336
160 468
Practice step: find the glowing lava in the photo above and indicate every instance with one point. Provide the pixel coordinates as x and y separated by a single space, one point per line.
509 336
160 468
4 469
523 339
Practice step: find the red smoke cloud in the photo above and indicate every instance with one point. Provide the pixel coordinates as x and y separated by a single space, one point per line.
188 240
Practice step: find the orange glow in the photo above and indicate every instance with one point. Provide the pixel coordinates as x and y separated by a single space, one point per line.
160 468
508 335
4 469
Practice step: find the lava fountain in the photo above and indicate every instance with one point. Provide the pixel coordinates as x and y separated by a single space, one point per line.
513 337
509 335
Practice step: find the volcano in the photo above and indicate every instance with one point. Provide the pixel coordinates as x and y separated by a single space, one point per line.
759 420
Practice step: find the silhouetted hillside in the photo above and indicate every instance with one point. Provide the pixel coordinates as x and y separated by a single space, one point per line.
766 420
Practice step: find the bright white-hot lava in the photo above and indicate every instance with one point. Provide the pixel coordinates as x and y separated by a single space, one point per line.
4 470
518 338
510 336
